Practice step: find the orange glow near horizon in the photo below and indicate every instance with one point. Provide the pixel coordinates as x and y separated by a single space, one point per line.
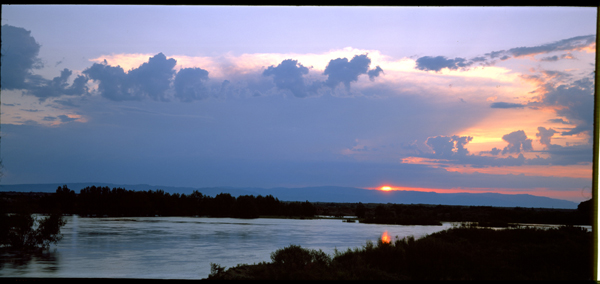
386 188
572 171
575 195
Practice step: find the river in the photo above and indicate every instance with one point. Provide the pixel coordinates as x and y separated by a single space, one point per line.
184 247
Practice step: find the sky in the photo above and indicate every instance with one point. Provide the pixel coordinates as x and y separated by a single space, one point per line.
442 99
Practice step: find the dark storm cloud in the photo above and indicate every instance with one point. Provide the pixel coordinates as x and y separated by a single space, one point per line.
429 63
19 57
189 84
341 70
288 75
506 105
517 142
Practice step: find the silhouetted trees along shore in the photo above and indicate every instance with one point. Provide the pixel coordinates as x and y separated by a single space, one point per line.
103 201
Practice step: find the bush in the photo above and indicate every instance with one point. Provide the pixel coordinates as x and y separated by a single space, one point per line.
298 257
23 231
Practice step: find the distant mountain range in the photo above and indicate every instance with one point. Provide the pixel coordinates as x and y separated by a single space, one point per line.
334 194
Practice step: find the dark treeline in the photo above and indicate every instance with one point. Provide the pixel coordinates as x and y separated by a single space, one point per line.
484 215
103 201
421 214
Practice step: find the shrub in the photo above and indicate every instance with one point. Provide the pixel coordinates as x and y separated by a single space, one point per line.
23 231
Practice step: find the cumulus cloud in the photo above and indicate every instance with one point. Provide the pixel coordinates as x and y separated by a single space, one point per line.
112 82
374 73
517 142
189 84
19 57
495 151
449 146
429 63
288 75
506 105
152 79
452 150
341 70
59 86
545 135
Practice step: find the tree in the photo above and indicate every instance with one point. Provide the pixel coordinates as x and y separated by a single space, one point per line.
23 231
360 211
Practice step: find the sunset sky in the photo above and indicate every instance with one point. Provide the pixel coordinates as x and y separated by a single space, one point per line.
444 99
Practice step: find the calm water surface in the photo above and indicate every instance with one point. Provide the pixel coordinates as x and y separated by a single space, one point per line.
184 247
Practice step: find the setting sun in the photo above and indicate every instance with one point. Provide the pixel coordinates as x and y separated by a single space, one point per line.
386 188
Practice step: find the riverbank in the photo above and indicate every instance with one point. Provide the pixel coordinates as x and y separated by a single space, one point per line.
461 253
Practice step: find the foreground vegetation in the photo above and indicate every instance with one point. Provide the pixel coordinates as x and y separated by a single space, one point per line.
24 232
462 253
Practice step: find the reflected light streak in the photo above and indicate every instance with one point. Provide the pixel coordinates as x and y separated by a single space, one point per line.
385 238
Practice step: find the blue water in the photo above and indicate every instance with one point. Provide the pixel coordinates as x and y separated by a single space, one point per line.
184 247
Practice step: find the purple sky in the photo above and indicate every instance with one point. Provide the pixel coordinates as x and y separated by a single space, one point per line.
446 99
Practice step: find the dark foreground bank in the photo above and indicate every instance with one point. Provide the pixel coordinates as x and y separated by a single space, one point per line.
463 253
